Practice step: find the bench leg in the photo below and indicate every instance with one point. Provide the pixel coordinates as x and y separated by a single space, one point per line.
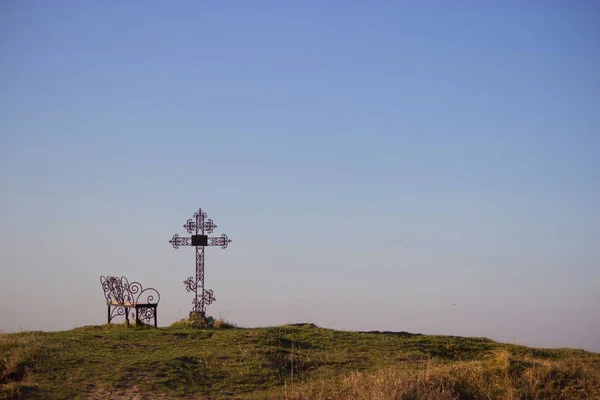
155 316
108 315
127 316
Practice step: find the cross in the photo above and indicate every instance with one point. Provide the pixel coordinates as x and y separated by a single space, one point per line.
198 227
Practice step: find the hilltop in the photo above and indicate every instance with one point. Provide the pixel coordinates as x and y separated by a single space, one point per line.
292 362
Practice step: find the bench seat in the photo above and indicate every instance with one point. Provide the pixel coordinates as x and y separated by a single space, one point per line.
121 296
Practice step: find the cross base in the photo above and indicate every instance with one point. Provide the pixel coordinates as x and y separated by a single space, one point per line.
198 314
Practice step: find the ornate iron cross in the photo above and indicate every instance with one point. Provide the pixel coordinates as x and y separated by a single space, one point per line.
198 227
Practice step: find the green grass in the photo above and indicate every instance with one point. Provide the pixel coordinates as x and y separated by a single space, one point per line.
292 361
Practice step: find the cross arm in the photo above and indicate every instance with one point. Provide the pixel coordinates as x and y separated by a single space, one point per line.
222 241
177 241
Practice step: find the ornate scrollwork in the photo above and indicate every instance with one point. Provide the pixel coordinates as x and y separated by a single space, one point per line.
209 296
191 226
116 311
122 295
144 314
146 296
116 290
222 241
200 214
190 284
209 226
177 241
199 223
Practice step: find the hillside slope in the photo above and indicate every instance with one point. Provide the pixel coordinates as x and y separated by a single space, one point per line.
292 361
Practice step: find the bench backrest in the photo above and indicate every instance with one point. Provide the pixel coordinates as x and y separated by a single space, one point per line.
120 291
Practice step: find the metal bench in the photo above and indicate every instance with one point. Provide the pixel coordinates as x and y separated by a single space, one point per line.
121 296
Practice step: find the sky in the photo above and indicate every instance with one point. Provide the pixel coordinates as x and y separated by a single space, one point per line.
429 167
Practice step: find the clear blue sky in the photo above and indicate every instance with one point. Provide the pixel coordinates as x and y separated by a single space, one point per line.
426 166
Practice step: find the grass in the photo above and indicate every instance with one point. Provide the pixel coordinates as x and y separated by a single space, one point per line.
286 362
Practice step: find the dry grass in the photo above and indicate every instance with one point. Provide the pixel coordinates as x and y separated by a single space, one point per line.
15 365
196 322
134 393
501 376
27 349
222 324
298 361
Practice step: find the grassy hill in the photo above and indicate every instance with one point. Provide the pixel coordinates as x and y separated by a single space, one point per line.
287 362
